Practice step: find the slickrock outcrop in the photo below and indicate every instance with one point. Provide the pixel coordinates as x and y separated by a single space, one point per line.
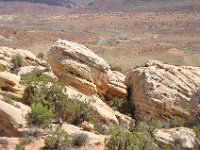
160 90
9 84
12 119
76 65
178 138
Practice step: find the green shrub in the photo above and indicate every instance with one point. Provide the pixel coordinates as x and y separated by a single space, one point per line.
2 68
80 139
125 140
116 68
40 55
78 112
7 99
49 93
19 147
197 131
40 115
117 104
35 77
177 122
17 61
58 139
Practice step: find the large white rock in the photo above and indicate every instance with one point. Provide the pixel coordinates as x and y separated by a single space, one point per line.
76 65
179 138
160 90
12 119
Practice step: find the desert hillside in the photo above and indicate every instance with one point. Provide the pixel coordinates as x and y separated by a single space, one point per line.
100 75
76 100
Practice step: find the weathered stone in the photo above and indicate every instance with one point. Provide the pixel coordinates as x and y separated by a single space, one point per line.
162 91
76 65
11 119
178 138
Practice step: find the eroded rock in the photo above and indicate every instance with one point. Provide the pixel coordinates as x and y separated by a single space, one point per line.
76 65
178 138
12 119
162 91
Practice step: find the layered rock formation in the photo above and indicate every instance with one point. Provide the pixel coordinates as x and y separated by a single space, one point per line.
160 90
9 84
12 119
76 65
178 138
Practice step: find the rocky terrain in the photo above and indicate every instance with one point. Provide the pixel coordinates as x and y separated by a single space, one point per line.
160 102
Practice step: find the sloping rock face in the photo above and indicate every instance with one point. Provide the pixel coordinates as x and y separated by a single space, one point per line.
9 84
76 65
161 91
101 112
12 119
178 138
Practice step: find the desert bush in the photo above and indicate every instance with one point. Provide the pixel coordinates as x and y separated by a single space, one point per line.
125 140
117 104
80 139
116 68
19 147
197 131
58 139
7 99
17 61
2 68
34 78
78 112
40 55
177 122
48 92
40 115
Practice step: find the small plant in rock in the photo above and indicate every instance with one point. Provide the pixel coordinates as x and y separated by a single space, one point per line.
177 122
80 139
40 115
116 68
19 147
40 55
117 103
197 131
58 139
7 99
2 68
17 61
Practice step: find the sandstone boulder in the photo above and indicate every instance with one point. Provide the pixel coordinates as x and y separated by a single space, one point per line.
12 119
160 90
76 65
178 138
9 84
